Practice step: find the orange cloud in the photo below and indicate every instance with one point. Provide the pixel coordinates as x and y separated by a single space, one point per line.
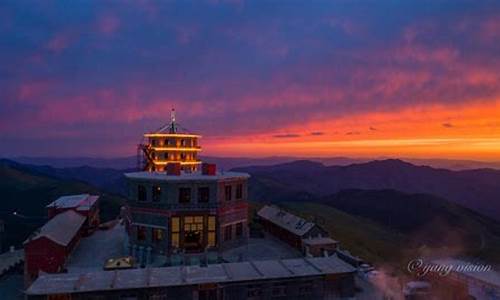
472 131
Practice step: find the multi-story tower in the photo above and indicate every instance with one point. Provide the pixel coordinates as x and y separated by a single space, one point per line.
170 144
180 208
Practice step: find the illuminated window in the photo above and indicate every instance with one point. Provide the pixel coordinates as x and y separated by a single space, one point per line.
156 193
228 233
141 233
184 195
203 194
211 239
157 235
211 232
175 229
239 191
141 193
228 193
211 223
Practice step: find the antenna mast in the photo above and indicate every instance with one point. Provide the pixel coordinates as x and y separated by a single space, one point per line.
173 126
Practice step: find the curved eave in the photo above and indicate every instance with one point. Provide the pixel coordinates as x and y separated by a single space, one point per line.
172 135
193 149
163 163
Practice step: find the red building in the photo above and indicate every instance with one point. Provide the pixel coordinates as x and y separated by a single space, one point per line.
48 249
84 204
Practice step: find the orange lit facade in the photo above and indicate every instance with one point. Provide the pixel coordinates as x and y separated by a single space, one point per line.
166 148
170 144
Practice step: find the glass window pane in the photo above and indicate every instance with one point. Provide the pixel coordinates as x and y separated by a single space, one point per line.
211 239
211 223
175 240
175 224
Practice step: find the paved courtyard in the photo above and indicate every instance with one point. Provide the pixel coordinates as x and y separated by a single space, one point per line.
261 249
93 251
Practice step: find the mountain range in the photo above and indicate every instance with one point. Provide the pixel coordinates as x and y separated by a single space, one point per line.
305 180
378 210
227 163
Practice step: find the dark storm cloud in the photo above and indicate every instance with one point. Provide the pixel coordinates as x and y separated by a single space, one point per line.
286 136
317 133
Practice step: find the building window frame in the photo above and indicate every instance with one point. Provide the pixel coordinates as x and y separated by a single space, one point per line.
239 191
141 233
184 195
175 229
239 230
278 290
156 193
228 193
228 232
211 232
203 194
142 194
157 235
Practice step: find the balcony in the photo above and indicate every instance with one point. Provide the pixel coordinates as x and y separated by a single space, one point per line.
175 206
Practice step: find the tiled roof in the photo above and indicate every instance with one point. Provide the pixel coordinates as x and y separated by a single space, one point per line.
285 220
61 228
187 275
81 202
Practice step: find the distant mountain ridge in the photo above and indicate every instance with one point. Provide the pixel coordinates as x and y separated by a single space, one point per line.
227 163
476 189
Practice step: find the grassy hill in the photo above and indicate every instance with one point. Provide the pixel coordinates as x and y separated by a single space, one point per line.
475 189
391 227
29 192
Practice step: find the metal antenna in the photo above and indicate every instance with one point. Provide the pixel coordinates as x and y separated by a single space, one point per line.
173 128
172 115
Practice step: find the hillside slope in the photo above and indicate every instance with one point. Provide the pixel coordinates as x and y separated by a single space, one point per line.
29 192
475 189
392 227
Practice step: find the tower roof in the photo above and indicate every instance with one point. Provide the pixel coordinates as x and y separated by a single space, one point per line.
171 129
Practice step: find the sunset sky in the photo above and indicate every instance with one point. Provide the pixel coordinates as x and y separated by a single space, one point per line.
255 78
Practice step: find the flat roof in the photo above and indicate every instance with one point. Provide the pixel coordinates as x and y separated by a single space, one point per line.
61 228
286 220
162 176
80 202
48 284
93 251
